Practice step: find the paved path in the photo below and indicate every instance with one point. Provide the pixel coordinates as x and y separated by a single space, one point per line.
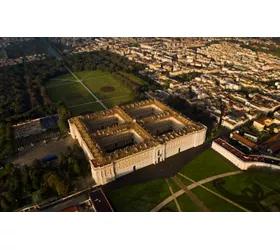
86 76
191 186
97 100
172 193
191 195
215 193
96 77
61 84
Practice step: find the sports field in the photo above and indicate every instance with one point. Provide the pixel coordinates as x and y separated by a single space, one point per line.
79 100
237 192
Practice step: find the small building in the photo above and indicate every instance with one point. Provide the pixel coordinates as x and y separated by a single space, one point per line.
243 141
272 145
261 123
251 137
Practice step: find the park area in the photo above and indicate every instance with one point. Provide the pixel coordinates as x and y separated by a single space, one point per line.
79 100
219 185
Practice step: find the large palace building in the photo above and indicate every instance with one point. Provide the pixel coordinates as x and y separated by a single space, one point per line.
123 139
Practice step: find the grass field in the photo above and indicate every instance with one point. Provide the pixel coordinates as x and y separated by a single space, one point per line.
144 197
67 89
207 164
170 207
134 78
254 191
186 204
85 109
139 198
214 203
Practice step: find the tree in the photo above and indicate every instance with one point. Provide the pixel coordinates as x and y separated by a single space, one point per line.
61 188
61 158
10 168
36 183
52 181
62 111
36 163
78 152
3 204
62 124
37 196
76 169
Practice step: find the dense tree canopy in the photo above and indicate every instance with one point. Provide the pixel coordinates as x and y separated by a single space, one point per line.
40 181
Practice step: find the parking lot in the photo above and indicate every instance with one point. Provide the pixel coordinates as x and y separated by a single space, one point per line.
41 149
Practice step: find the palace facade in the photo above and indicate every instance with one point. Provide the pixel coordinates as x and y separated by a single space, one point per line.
124 139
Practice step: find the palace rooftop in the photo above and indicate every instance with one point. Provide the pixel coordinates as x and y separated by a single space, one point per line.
123 131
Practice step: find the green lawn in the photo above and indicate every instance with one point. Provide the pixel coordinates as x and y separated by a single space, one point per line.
170 207
139 198
65 88
134 78
86 109
184 180
98 80
186 204
71 94
208 163
255 190
173 185
144 197
213 202
251 190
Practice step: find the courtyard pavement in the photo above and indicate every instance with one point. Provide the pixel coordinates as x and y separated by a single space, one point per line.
41 150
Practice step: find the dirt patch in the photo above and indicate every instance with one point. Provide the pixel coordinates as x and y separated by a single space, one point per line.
74 96
107 89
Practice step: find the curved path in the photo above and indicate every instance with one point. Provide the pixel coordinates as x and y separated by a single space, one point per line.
191 186
216 194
